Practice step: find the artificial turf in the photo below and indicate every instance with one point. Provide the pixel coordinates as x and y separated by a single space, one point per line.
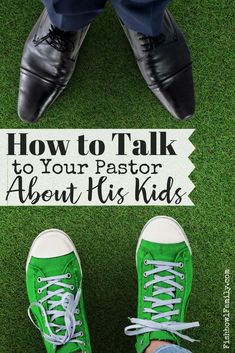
107 91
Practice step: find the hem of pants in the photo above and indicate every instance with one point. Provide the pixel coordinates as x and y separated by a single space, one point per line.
71 22
171 348
135 22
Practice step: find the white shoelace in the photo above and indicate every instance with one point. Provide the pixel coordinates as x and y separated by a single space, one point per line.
141 326
69 304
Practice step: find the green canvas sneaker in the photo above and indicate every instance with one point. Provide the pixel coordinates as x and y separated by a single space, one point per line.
54 286
164 268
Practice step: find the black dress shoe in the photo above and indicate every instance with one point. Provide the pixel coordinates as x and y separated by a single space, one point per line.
47 65
166 66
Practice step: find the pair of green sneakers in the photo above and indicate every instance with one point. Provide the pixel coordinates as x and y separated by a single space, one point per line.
54 286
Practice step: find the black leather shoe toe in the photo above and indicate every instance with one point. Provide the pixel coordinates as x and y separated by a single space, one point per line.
177 98
35 96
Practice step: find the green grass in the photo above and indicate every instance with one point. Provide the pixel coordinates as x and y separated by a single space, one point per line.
107 91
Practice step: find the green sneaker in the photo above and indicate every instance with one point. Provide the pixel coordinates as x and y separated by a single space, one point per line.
164 268
54 286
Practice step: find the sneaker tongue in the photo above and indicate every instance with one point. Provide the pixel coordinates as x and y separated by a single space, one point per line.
166 253
70 348
163 336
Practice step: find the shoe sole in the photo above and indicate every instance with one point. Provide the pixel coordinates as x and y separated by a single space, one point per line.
169 219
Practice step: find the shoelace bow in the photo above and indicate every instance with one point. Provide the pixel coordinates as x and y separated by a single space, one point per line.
69 305
141 326
59 40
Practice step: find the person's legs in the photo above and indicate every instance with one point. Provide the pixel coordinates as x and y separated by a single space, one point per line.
168 348
71 15
144 16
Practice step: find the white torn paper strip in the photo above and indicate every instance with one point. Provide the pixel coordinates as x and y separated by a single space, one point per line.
55 167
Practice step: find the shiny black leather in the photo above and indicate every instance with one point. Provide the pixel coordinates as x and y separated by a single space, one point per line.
166 66
48 62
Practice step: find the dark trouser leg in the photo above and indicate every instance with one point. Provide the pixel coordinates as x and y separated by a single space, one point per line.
71 15
144 16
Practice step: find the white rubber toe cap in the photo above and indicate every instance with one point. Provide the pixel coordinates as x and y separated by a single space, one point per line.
51 243
163 230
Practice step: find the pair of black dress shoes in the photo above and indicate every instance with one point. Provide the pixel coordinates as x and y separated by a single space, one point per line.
50 56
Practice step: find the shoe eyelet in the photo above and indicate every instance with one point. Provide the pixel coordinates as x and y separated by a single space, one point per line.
182 289
39 279
68 275
182 277
145 274
72 287
79 323
145 287
142 342
39 291
145 262
181 265
81 334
